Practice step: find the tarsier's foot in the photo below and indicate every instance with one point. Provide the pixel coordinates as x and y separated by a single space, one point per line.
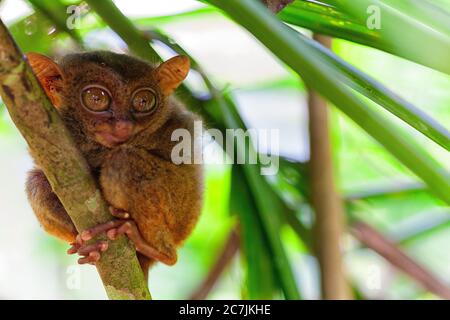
91 253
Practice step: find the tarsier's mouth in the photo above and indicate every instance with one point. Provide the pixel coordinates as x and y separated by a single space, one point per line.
115 134
111 140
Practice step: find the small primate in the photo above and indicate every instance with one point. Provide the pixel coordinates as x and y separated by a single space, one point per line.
121 114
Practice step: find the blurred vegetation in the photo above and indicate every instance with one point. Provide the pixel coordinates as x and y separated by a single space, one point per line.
394 177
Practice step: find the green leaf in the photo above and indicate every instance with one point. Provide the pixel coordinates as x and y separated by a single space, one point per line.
270 208
121 25
325 19
29 33
159 20
428 12
422 229
404 24
403 29
261 279
56 12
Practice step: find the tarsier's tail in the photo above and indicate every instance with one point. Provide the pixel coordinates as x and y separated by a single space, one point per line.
145 263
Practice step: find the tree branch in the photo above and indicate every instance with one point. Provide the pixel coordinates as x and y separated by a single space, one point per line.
56 154
329 212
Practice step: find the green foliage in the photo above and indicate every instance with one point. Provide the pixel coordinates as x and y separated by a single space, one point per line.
320 75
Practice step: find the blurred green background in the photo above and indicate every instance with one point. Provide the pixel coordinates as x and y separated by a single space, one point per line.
377 188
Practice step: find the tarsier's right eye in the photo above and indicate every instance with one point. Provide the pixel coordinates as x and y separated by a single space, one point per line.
96 99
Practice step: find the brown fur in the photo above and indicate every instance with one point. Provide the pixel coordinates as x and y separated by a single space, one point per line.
137 176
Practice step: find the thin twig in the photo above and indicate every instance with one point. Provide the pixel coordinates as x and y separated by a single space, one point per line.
392 253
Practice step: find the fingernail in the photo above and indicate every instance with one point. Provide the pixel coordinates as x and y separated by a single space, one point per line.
86 235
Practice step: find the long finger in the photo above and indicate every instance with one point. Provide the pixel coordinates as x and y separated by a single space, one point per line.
92 232
92 258
73 249
119 213
75 245
85 250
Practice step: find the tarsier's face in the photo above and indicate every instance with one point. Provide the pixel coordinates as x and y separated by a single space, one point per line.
113 104
113 97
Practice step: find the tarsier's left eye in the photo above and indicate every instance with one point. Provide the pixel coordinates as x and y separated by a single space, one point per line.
144 100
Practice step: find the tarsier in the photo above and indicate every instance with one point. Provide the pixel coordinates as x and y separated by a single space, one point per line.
121 114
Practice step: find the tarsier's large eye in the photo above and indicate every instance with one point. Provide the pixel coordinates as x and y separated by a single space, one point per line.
144 100
96 98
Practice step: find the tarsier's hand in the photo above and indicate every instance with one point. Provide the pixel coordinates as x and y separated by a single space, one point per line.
91 253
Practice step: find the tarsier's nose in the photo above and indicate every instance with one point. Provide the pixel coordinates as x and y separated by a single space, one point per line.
123 129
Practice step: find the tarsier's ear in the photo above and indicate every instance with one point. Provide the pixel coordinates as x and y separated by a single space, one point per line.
49 75
171 73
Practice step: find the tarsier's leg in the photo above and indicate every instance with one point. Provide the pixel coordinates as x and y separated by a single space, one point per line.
47 207
54 218
145 263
